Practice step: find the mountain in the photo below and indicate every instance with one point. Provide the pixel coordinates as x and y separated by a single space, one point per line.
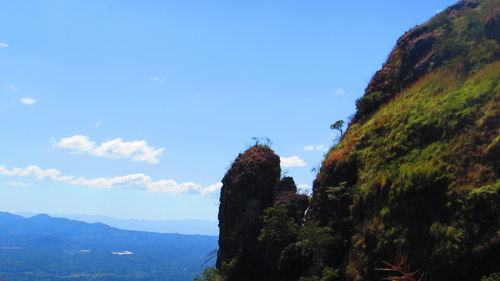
410 192
188 226
47 248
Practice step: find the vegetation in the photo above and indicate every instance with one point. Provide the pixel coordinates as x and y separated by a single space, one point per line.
416 171
53 249
338 126
464 36
426 173
210 274
491 277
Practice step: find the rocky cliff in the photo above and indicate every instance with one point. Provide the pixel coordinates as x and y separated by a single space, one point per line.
256 214
248 189
414 180
412 189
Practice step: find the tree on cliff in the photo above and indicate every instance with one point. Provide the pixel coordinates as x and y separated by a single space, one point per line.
338 126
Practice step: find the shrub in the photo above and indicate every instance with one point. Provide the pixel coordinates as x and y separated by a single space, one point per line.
369 103
491 277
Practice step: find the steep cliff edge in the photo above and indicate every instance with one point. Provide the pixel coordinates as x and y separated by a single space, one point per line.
464 34
411 190
248 189
417 171
259 215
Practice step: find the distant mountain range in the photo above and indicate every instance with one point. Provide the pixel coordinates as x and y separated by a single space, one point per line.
189 226
45 248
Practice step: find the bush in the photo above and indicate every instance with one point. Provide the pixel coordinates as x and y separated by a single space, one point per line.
491 277
369 103
210 274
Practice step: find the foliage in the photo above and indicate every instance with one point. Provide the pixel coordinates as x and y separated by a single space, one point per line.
50 249
279 225
210 274
399 270
416 170
452 39
424 164
262 141
228 269
370 102
426 173
338 126
491 277
328 274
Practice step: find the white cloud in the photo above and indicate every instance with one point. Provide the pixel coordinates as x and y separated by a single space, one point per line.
3 45
303 186
117 148
28 101
315 147
145 182
293 161
211 189
131 181
136 150
36 171
305 189
15 183
340 91
309 148
172 186
158 79
98 124
79 142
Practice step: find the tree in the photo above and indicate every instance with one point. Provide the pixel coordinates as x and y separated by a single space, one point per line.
338 126
262 141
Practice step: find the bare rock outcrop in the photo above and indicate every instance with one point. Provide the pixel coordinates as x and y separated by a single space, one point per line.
248 189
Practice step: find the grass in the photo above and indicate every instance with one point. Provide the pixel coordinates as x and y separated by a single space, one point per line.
418 157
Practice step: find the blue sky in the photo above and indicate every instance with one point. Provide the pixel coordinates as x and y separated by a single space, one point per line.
135 109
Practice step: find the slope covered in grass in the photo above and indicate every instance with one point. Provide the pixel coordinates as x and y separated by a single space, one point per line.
415 177
412 189
421 177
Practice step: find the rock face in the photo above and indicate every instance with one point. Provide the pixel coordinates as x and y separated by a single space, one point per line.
492 25
281 224
285 192
412 186
248 189
418 52
285 186
259 216
405 183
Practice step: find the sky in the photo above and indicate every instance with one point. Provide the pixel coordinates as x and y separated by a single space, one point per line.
136 109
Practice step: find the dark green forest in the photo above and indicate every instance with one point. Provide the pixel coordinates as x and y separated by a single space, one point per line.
43 248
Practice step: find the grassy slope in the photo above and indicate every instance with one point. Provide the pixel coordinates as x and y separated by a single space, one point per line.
423 159
414 180
420 173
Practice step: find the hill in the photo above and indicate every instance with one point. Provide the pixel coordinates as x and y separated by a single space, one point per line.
412 189
187 226
47 248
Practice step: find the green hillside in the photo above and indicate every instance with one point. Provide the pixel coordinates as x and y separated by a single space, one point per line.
420 178
412 189
417 170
